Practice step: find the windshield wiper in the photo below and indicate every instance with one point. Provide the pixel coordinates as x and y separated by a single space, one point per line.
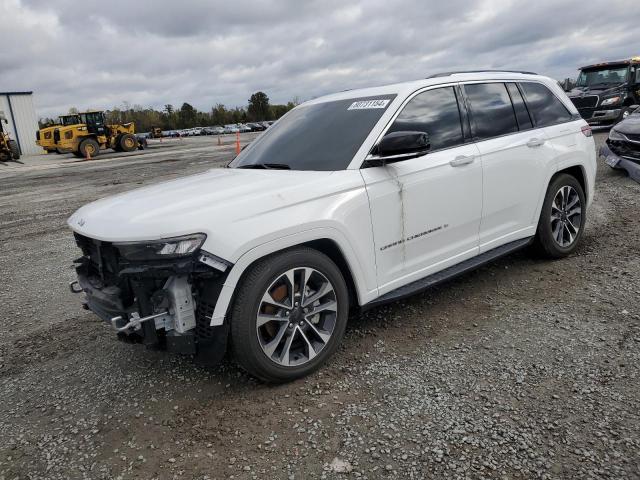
267 166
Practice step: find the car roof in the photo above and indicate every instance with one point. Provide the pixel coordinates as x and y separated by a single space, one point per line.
405 88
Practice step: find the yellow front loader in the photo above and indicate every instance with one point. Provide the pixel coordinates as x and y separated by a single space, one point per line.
44 136
93 134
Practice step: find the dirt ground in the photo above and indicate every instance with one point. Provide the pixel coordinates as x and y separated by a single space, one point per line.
525 368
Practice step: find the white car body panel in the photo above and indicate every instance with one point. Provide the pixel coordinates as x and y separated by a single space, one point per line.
414 227
248 214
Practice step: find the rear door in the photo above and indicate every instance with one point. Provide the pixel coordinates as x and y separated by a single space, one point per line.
515 159
426 211
549 114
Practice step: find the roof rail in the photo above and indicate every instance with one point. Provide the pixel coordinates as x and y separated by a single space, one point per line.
446 74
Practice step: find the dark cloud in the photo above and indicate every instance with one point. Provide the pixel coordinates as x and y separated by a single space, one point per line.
101 54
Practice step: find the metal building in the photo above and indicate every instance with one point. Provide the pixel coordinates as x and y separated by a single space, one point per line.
23 124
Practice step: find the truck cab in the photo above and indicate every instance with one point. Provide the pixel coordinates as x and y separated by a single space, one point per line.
604 92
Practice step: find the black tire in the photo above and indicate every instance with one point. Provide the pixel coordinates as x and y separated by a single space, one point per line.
245 344
545 240
128 142
89 145
15 149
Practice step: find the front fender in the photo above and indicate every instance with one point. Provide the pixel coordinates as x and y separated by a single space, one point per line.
245 260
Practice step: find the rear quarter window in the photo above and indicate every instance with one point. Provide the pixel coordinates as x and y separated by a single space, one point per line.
544 106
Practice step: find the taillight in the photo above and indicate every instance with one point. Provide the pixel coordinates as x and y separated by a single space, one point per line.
586 130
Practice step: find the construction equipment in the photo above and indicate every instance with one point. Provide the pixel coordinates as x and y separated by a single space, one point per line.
86 139
44 136
156 132
9 149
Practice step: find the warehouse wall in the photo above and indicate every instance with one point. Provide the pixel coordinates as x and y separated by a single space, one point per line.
24 124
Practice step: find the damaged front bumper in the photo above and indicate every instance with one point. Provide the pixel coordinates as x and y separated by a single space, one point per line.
164 304
622 159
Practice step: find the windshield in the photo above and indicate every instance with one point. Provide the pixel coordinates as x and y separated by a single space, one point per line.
69 120
603 76
322 136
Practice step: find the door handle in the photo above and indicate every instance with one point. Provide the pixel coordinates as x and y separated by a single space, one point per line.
462 160
535 142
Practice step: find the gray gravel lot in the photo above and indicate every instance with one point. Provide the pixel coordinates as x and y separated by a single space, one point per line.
526 368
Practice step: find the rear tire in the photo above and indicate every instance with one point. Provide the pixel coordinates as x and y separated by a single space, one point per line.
305 324
128 142
88 145
562 218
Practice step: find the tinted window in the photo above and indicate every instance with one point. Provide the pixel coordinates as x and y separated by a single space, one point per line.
493 113
321 136
436 113
544 106
522 115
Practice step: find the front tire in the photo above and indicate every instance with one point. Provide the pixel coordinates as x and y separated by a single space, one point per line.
626 111
128 142
562 218
15 149
289 315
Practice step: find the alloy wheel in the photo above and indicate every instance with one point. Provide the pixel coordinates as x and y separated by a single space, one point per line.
566 216
296 317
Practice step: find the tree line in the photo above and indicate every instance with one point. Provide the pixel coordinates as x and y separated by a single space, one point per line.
187 116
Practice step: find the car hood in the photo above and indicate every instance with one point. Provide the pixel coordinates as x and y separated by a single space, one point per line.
199 203
631 124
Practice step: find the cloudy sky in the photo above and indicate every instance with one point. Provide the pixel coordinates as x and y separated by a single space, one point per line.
90 54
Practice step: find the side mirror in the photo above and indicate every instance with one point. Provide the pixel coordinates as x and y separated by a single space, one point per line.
402 145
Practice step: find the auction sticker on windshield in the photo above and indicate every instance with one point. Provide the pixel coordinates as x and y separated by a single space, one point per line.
367 104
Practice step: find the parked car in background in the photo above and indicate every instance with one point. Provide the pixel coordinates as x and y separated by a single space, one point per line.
243 128
217 130
265 124
605 92
355 199
256 127
622 148
231 129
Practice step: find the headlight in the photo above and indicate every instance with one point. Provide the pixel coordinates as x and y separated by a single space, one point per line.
616 136
159 249
610 101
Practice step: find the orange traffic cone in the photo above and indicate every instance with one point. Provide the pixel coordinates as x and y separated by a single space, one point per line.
88 156
238 149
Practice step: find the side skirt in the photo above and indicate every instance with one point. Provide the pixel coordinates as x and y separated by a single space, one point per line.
448 273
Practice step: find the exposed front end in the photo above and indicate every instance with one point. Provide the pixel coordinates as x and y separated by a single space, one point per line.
598 111
159 293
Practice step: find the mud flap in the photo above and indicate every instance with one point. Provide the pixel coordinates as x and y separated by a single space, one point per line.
211 350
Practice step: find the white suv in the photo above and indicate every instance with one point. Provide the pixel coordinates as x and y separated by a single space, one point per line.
349 201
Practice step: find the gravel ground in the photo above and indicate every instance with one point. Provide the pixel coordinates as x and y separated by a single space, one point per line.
522 369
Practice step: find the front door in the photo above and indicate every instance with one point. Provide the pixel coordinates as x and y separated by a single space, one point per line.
426 211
